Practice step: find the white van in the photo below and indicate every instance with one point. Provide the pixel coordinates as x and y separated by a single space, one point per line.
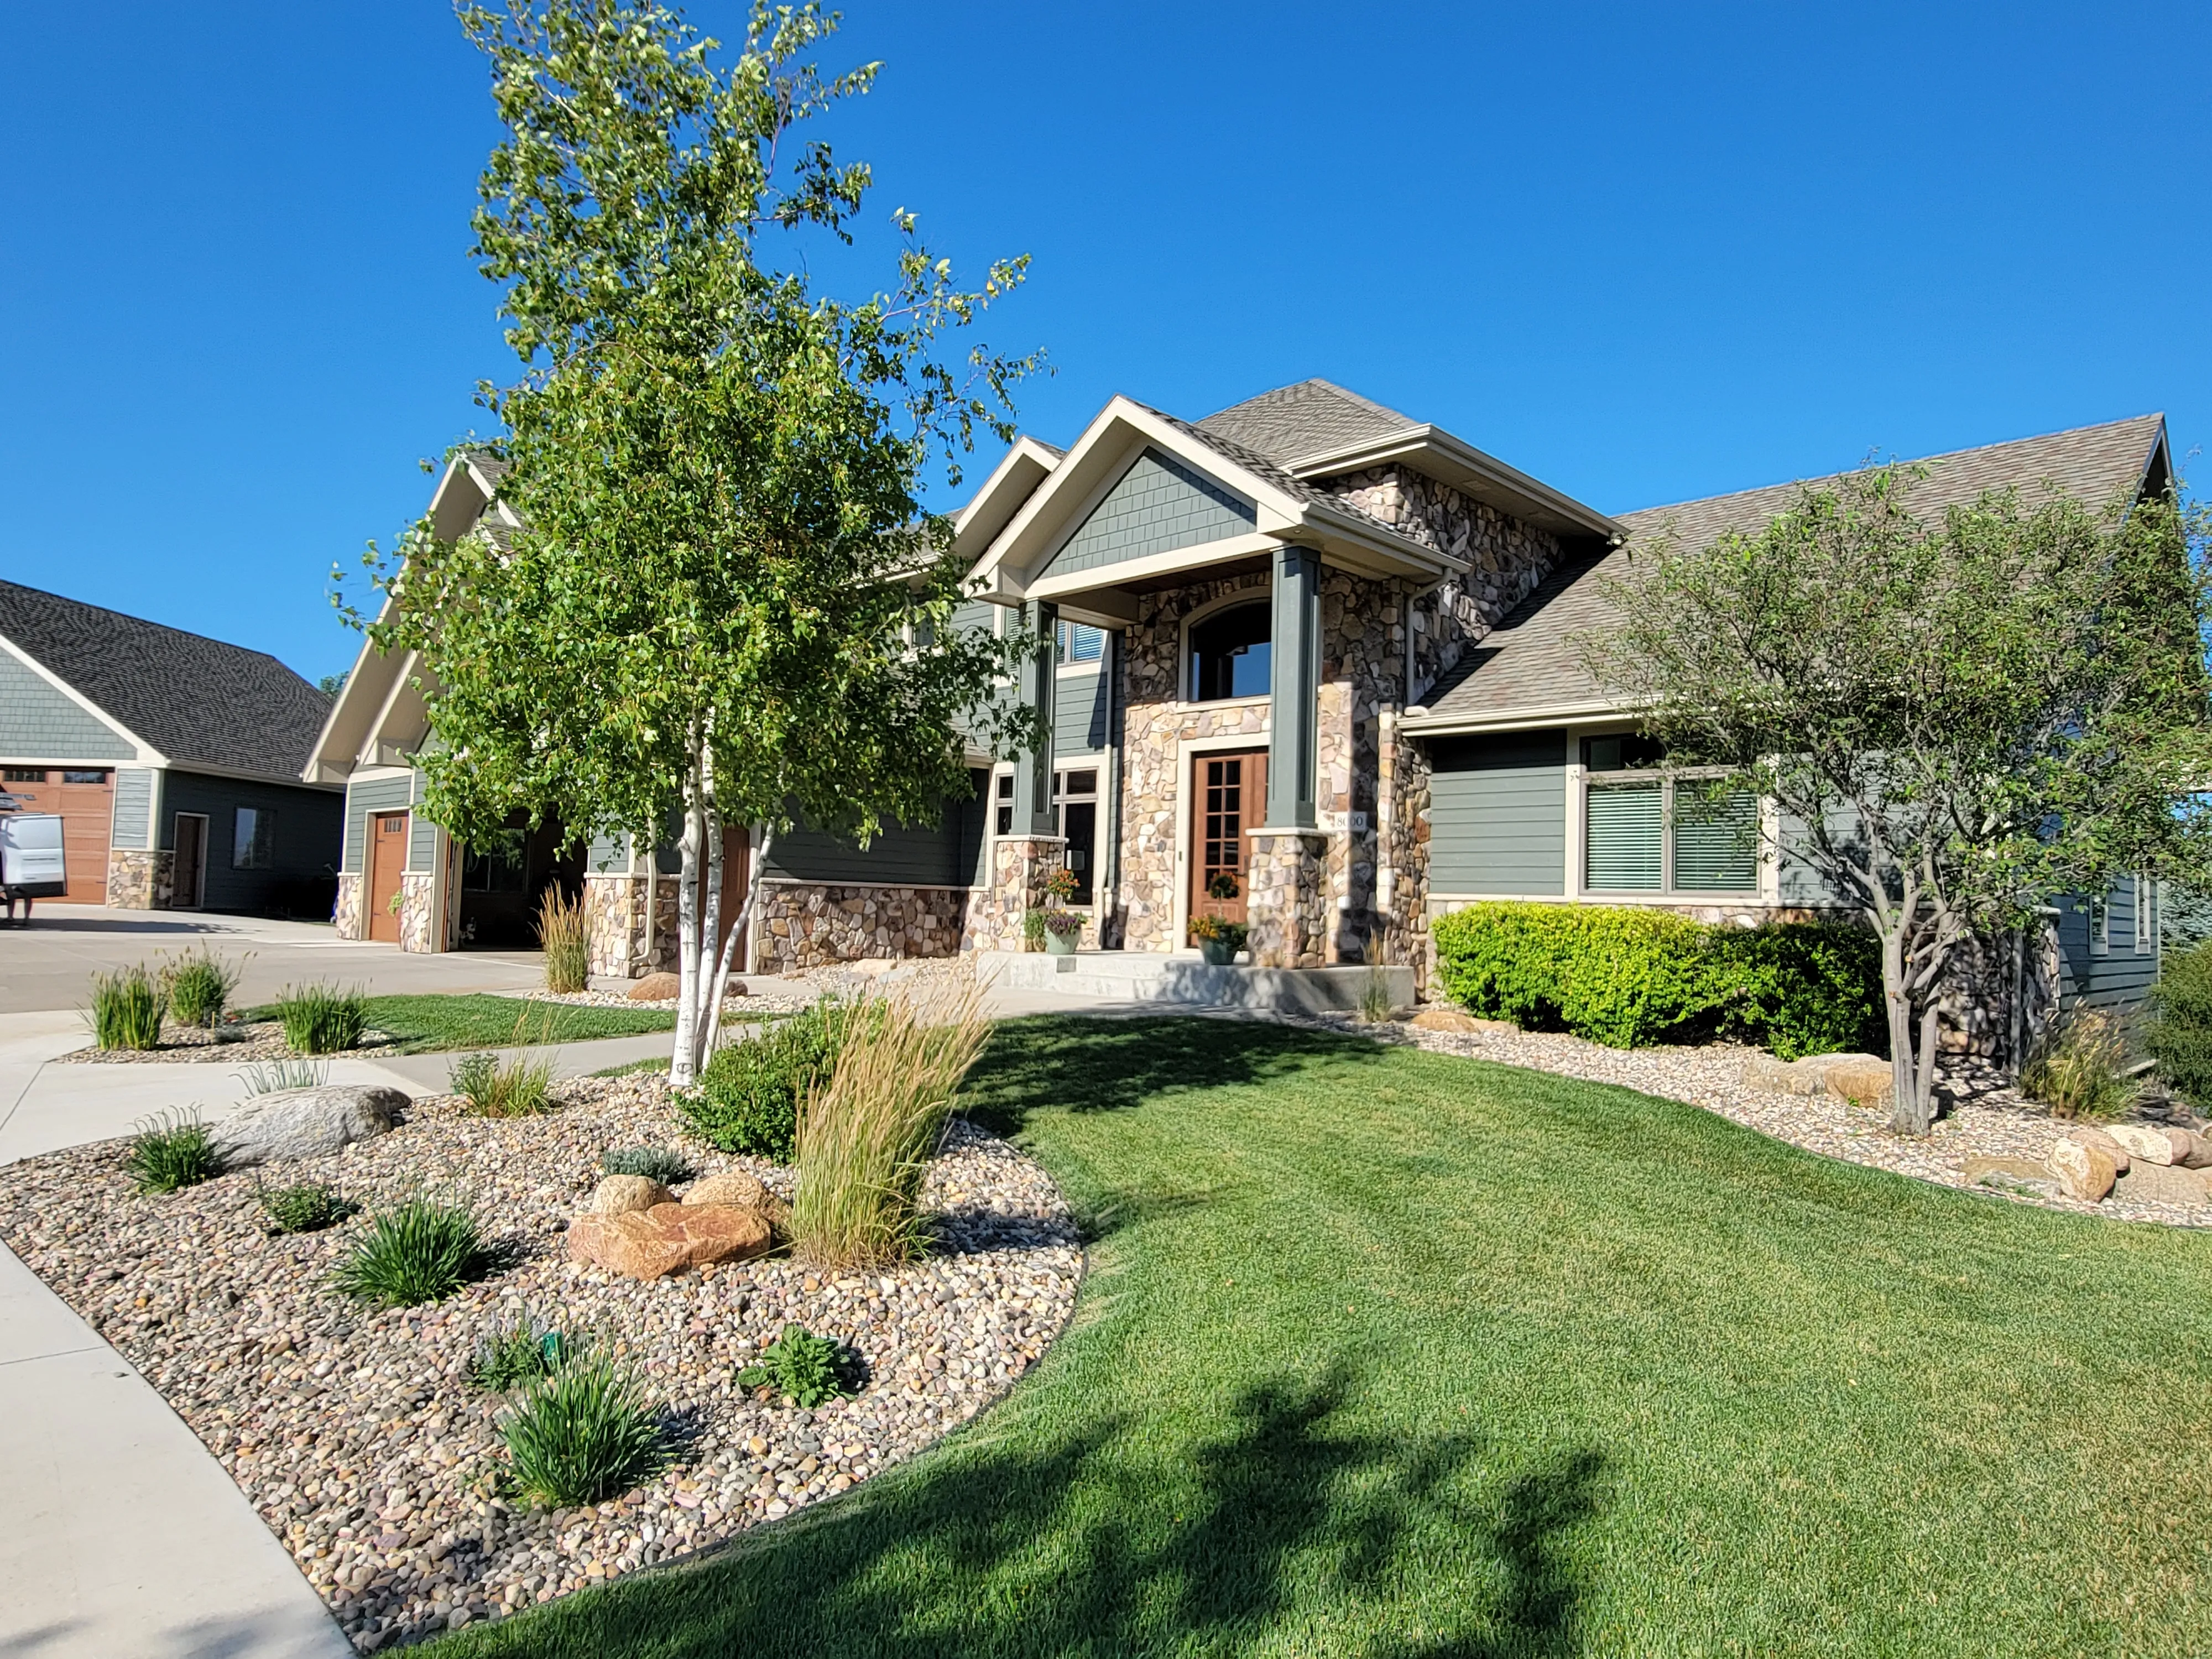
31 863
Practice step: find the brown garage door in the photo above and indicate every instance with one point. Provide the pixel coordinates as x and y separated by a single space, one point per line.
85 797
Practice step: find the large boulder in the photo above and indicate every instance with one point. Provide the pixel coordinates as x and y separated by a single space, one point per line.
1984 1167
1785 1076
2083 1172
297 1123
2090 1135
714 1232
668 1237
655 987
733 1186
618 1194
2161 1183
1862 1079
1441 1018
2153 1143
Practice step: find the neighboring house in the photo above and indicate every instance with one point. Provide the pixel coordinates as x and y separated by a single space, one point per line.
172 759
1314 672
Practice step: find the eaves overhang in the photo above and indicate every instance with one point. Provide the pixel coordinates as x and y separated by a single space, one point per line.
1436 453
1428 724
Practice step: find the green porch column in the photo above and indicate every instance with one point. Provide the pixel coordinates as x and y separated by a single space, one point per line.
1294 688
1033 771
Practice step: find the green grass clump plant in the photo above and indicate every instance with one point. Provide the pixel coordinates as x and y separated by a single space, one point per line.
519 1354
275 1076
420 1252
322 1019
306 1207
2178 1035
747 1098
2079 1069
564 934
801 1368
867 1132
662 1164
583 1434
127 1006
492 1087
170 1150
199 985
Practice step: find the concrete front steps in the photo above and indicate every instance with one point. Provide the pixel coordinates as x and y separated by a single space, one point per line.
1183 978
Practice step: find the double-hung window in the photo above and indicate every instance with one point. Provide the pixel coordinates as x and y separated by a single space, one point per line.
1648 829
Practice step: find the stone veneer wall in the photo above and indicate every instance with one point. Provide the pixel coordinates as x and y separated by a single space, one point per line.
1020 864
349 915
418 917
1287 901
809 925
140 880
616 904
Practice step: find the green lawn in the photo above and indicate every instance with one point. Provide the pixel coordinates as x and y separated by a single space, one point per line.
426 1024
1385 1354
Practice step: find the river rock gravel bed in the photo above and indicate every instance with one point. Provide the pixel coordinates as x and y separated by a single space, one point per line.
241 1042
357 1434
1983 1119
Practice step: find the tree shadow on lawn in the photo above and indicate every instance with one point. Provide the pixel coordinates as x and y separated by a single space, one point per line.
1088 1065
1290 1523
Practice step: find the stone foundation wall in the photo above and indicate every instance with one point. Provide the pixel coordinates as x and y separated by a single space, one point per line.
617 904
1287 904
1020 864
804 926
350 915
419 928
140 880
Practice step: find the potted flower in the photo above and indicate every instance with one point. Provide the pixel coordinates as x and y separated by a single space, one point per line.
1059 886
1218 941
1061 930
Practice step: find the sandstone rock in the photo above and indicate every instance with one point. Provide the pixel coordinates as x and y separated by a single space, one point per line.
296 1123
1457 1019
2199 1155
633 1243
1784 1077
2163 1183
655 987
2090 1135
734 1187
1862 1079
1981 1166
2083 1172
2153 1143
713 1232
618 1194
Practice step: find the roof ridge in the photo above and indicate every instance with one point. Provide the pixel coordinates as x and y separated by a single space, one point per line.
1915 460
148 622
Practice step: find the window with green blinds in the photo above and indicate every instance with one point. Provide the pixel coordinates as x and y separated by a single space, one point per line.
1716 839
1622 843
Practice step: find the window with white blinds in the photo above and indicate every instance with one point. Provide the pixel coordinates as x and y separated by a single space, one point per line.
1715 838
1622 852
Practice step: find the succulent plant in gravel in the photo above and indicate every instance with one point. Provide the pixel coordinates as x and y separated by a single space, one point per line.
800 1367
662 1164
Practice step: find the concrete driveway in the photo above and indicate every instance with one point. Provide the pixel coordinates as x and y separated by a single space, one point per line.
50 964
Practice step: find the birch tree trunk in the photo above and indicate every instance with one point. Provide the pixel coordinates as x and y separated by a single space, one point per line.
683 1056
759 839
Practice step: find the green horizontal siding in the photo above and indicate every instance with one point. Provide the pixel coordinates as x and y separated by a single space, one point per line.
134 807
942 854
2118 980
38 722
394 794
1159 505
1080 712
1497 814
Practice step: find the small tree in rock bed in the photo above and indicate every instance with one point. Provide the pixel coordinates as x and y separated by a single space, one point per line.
1966 718
727 604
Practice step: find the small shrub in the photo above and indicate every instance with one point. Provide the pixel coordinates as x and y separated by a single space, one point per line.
747 1099
517 1355
661 1164
1033 930
1208 927
169 1152
2179 1034
271 1077
2079 1068
564 932
199 985
417 1253
496 1088
306 1208
867 1132
1799 988
582 1435
800 1367
322 1019
127 1006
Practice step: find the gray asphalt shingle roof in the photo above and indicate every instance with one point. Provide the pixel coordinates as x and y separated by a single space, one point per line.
1532 660
193 698
1265 467
1309 418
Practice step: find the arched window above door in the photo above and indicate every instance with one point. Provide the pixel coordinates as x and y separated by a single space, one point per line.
1229 654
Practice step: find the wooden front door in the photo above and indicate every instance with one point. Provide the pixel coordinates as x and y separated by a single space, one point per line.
736 857
1228 797
387 862
190 874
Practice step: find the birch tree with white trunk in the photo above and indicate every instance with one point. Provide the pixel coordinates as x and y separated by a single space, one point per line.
728 605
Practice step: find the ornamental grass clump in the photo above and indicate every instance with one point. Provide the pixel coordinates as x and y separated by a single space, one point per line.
662 1164
170 1150
199 986
418 1253
322 1019
583 1434
127 1006
274 1076
865 1136
564 934
800 1367
2079 1069
495 1087
306 1207
747 1099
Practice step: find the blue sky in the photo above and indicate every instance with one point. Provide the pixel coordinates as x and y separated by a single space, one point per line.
1645 253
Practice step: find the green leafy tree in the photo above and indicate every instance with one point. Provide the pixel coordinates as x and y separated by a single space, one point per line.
726 604
1962 718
